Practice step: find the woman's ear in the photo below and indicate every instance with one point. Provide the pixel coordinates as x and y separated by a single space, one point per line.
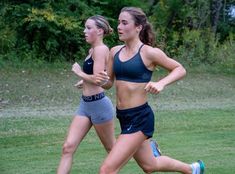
139 28
100 32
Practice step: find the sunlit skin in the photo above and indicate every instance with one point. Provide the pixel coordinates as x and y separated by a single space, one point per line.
93 36
131 94
126 28
81 124
92 33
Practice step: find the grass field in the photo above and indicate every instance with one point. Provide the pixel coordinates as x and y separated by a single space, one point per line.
195 119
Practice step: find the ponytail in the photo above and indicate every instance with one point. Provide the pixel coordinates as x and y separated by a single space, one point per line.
147 35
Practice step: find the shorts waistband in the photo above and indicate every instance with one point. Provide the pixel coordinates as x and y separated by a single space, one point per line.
132 109
93 97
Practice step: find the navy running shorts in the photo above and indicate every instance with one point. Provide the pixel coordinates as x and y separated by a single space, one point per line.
140 118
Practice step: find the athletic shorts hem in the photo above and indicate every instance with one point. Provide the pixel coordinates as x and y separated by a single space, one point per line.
148 135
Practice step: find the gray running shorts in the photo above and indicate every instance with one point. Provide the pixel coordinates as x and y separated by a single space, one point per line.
98 108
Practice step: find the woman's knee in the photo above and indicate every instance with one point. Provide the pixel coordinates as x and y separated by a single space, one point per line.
69 148
106 169
147 169
103 169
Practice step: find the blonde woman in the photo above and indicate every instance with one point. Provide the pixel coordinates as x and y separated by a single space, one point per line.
95 109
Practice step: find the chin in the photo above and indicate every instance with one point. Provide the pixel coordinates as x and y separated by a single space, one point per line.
121 38
88 41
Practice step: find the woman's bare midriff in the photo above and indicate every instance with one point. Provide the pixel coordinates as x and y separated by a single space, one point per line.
130 94
91 89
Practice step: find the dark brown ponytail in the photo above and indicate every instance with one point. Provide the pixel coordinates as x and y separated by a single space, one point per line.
147 36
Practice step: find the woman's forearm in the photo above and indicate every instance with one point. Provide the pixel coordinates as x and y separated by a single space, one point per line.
87 77
176 74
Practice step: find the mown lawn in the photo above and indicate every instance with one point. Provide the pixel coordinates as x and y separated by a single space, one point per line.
33 144
195 119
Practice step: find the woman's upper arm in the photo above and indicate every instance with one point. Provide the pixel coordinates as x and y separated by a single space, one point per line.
100 55
159 58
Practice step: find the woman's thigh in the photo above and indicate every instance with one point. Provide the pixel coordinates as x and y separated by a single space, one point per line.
105 131
78 129
125 147
144 156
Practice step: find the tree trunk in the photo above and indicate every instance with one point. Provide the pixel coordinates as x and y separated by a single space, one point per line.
215 13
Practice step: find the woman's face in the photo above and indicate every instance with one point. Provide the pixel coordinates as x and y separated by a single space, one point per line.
126 27
91 31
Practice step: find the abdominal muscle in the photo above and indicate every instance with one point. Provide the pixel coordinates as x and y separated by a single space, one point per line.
130 94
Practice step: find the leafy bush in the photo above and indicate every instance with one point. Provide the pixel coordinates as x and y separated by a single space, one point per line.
52 31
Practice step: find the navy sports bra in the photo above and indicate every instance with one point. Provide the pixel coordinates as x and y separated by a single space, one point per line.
132 70
88 66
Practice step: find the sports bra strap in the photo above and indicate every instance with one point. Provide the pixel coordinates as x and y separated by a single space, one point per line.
121 49
125 46
140 47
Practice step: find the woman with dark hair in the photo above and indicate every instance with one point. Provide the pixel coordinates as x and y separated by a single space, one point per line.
131 66
95 109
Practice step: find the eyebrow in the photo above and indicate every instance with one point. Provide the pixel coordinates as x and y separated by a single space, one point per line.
89 26
123 20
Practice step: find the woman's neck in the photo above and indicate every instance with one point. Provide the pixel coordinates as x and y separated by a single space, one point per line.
97 43
132 45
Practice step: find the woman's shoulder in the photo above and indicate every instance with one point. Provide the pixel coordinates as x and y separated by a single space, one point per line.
150 51
115 49
101 48
99 52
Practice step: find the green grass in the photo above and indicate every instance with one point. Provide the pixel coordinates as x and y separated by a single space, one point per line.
33 144
194 119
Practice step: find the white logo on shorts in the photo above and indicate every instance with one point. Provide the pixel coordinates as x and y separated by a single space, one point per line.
129 128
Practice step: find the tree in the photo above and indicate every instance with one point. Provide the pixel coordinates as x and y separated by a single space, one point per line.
215 13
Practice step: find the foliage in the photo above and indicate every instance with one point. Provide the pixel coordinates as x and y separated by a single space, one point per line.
47 34
189 30
184 30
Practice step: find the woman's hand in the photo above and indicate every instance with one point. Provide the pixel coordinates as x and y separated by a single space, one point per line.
154 87
79 84
101 78
76 68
